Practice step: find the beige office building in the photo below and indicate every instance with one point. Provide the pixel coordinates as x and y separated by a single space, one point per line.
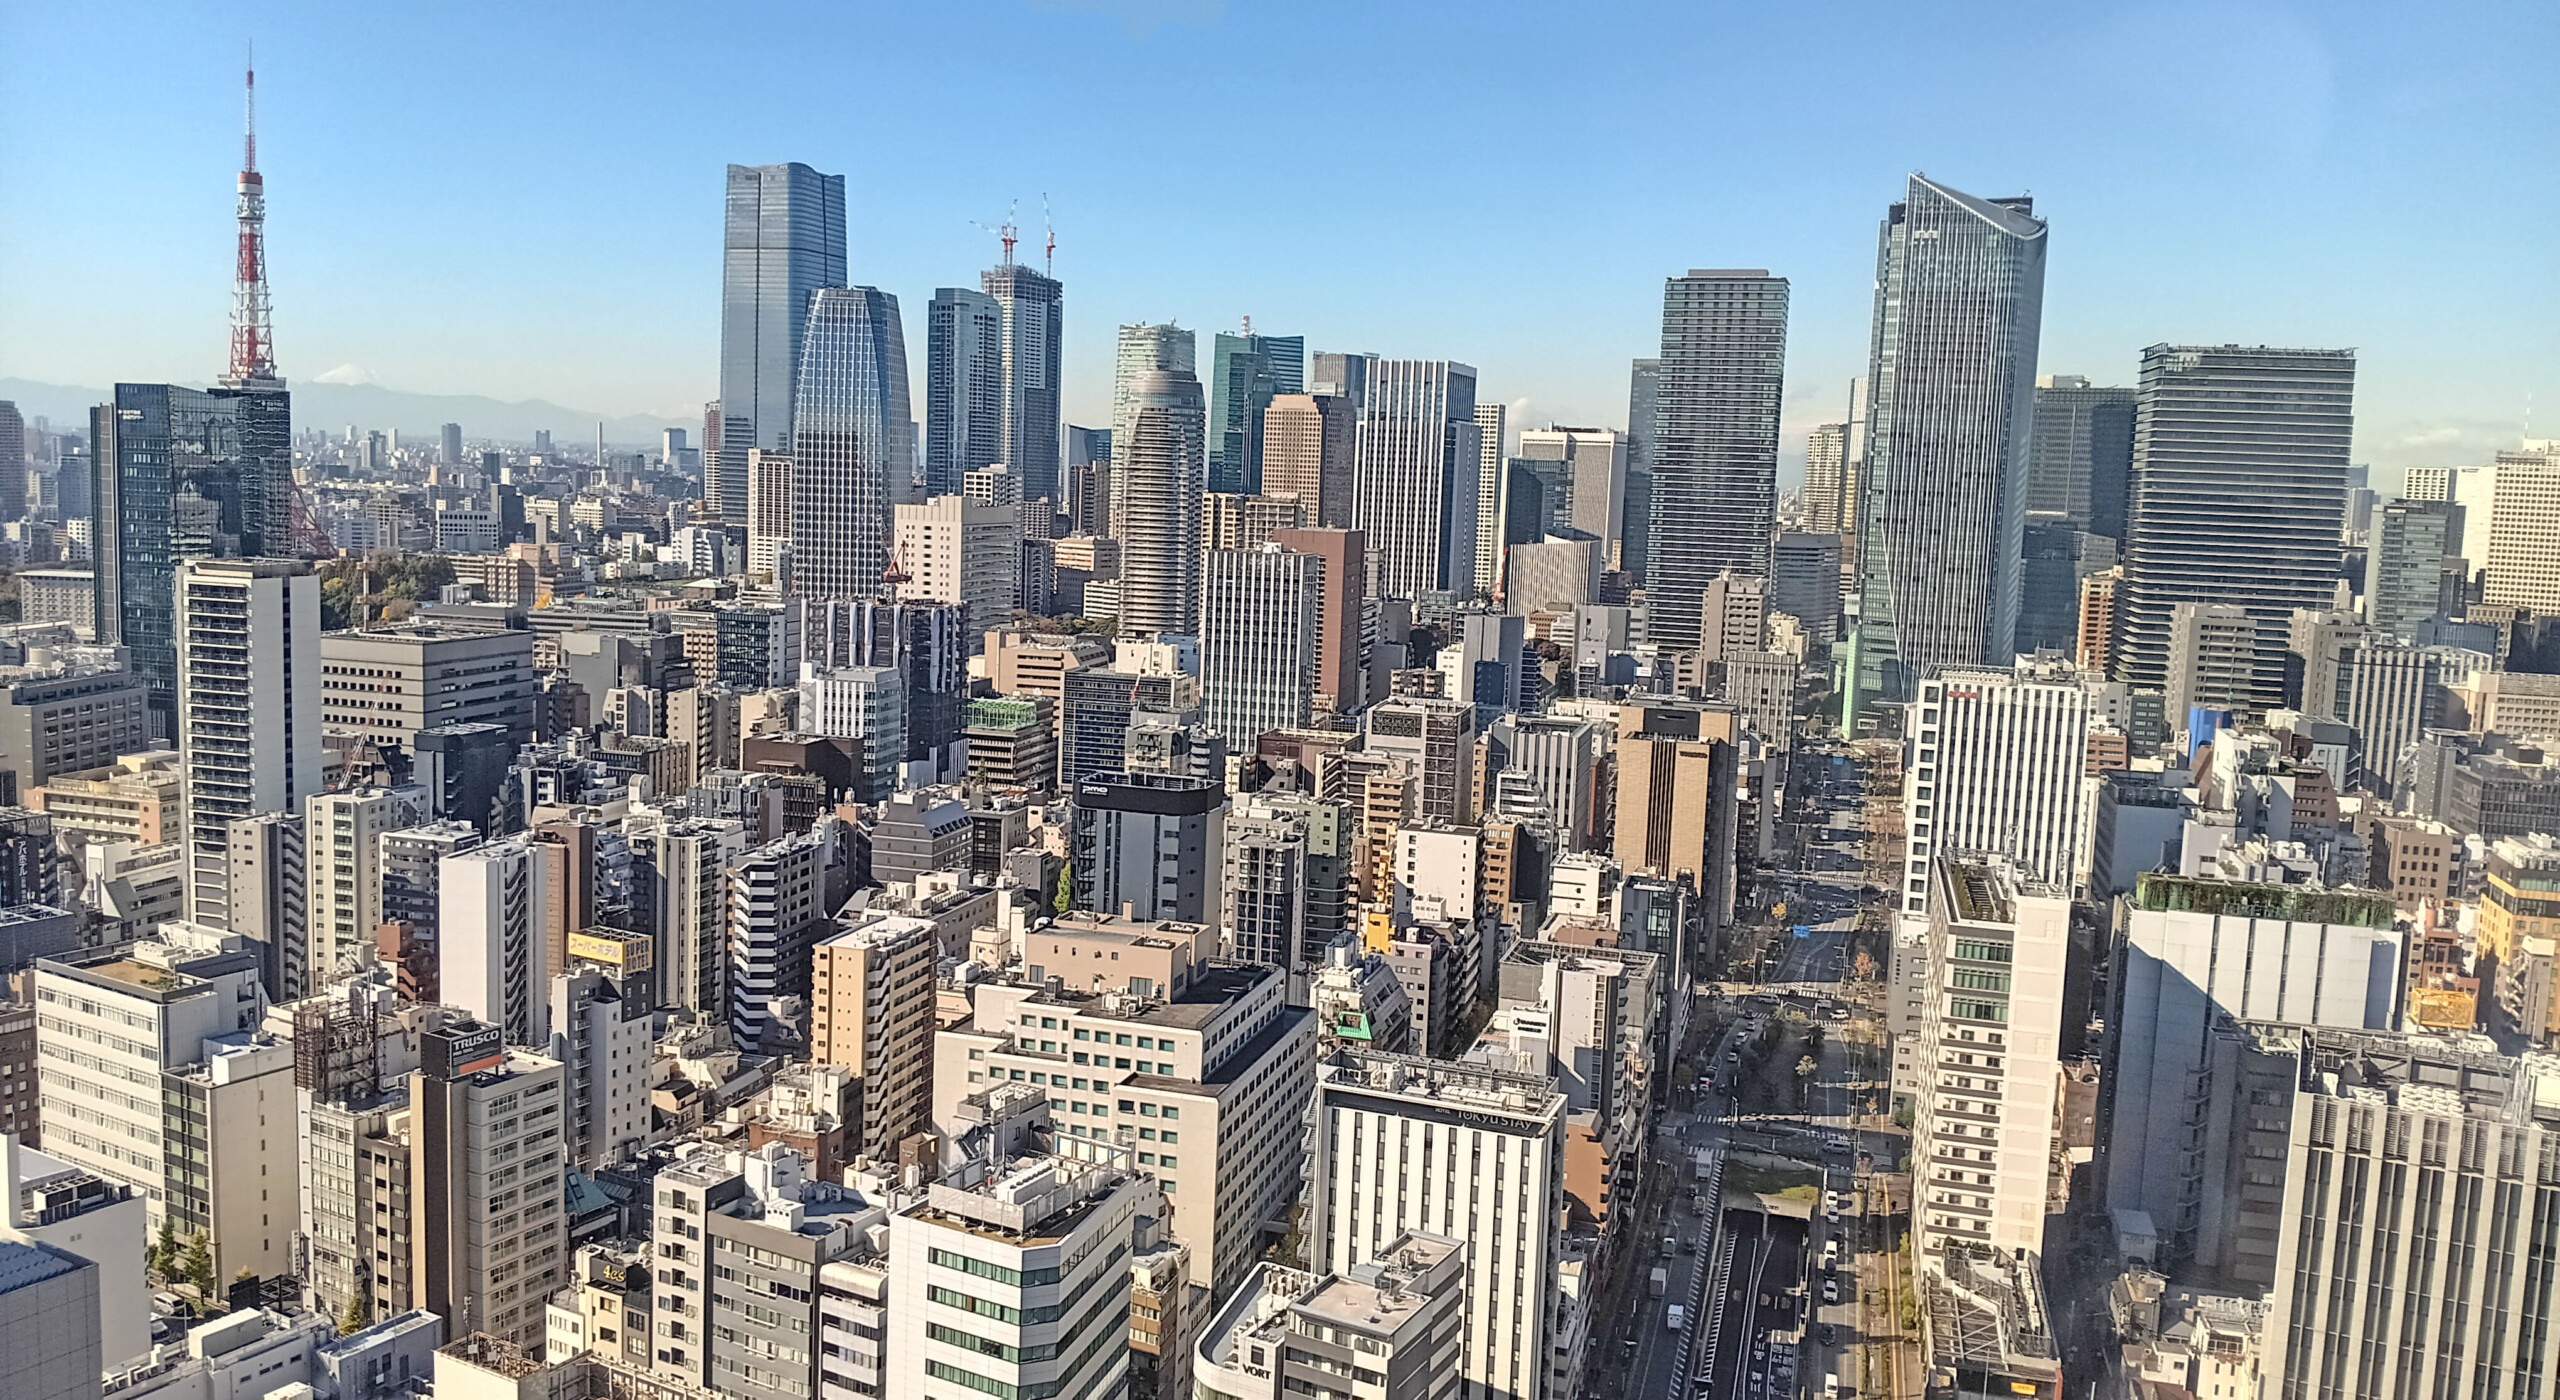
871 1011
389 685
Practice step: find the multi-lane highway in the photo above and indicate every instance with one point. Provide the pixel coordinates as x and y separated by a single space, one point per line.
1770 1332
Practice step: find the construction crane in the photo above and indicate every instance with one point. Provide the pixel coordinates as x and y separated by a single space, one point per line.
1005 231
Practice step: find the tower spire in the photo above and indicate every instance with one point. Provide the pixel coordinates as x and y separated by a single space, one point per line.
253 359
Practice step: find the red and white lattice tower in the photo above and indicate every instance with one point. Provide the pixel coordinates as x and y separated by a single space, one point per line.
253 351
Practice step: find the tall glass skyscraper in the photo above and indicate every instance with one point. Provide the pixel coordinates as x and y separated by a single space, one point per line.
1033 305
854 443
156 442
1713 453
2080 458
1951 399
963 387
1413 477
1644 389
2239 495
1244 372
784 239
1157 463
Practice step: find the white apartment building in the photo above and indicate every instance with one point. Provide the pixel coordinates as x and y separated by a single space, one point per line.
1015 1282
492 937
153 1075
1475 1155
1207 1088
1995 767
342 869
1258 639
955 550
769 489
1287 1332
2523 555
600 1035
1438 874
738 1240
2215 650
249 707
853 1325
1991 1041
777 899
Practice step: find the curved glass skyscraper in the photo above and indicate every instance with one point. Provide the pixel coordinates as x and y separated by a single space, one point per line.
1942 496
854 445
1158 463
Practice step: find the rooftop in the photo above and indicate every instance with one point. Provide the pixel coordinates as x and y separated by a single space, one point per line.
1379 1297
1465 1088
1038 1199
25 1265
1213 988
1986 1316
2154 891
2451 1075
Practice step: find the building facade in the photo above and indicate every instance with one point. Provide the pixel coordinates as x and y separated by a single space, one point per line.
1942 473
853 443
2239 496
1712 457
784 238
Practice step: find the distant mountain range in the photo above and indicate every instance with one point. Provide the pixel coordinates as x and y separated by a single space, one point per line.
370 406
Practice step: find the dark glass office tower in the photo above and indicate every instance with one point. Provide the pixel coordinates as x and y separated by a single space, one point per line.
1033 304
963 387
1713 452
1644 390
2239 496
226 456
1245 371
2080 457
784 239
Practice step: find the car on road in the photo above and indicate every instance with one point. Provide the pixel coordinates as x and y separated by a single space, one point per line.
1826 1334
1831 1288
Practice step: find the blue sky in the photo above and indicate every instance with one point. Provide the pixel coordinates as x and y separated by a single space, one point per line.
524 200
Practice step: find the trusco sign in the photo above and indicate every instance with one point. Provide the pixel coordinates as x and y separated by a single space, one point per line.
456 1053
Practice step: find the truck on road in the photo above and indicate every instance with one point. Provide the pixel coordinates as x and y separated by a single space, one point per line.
1661 1283
1701 1160
1676 1318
